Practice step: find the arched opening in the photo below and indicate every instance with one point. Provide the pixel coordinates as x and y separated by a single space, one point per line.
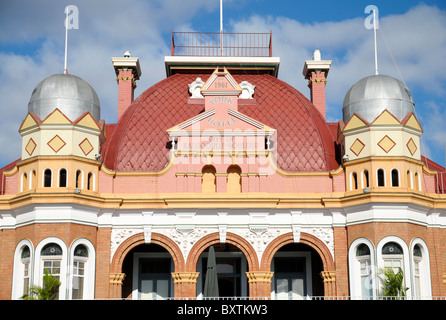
25 183
395 178
409 179
90 181
354 181
381 178
234 182
365 179
62 178
231 266
297 268
47 178
208 180
417 181
148 269
78 179
33 179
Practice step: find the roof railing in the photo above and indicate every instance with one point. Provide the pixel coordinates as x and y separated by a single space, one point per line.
215 44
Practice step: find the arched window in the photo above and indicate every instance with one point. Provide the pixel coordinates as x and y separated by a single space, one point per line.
90 181
79 262
363 257
25 183
47 178
381 178
354 181
365 178
395 178
62 178
22 271
33 179
417 181
82 270
208 180
409 179
417 258
79 179
51 256
392 254
234 181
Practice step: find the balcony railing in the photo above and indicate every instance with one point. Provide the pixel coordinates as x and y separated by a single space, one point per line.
215 44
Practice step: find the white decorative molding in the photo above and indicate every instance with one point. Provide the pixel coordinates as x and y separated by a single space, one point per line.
248 90
118 236
186 240
222 231
147 234
296 233
195 89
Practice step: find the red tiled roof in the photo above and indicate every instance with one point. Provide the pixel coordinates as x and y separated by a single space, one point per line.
304 140
2 178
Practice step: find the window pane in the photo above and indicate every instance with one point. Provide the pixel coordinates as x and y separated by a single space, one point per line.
282 288
162 289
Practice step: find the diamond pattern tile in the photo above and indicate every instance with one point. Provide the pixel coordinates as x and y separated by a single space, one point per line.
139 141
56 143
386 144
30 146
412 146
357 146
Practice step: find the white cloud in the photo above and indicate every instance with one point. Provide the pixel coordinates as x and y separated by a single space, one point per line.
417 40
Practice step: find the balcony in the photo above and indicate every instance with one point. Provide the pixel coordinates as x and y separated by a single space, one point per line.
217 44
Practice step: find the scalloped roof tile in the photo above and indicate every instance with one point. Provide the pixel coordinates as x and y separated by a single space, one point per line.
139 141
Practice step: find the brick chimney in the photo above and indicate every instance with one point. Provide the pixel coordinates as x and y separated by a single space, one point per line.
127 71
316 72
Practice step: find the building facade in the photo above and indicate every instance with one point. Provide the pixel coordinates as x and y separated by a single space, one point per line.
221 153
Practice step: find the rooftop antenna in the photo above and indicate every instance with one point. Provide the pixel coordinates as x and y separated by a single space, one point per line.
71 22
221 27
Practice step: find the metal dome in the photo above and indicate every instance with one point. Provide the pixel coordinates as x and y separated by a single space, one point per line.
70 94
370 96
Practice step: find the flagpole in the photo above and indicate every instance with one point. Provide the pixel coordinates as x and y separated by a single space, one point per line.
66 41
221 27
374 36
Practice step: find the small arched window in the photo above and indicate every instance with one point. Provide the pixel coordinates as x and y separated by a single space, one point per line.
62 178
395 178
47 178
90 181
365 178
33 178
381 178
25 183
354 181
393 256
409 179
417 181
363 257
78 179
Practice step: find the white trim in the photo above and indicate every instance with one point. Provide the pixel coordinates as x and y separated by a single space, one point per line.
90 267
38 265
246 119
354 268
405 260
425 271
17 272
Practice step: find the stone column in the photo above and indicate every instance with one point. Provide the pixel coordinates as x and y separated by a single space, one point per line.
185 284
116 280
259 283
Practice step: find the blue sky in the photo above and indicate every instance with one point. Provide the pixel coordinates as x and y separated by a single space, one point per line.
411 47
